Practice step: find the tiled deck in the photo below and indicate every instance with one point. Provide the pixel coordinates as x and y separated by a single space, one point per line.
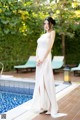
69 104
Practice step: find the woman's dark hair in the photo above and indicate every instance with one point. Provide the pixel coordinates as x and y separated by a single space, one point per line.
50 21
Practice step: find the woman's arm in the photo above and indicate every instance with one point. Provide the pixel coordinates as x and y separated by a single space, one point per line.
52 38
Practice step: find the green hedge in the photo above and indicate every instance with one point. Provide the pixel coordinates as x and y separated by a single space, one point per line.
73 48
15 49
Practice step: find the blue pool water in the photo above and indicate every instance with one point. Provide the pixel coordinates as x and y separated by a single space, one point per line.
11 97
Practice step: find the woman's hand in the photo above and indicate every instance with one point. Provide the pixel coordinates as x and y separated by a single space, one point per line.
39 62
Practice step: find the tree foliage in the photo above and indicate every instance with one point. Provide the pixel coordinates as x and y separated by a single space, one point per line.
67 14
21 23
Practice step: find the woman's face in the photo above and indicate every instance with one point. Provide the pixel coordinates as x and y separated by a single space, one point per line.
46 25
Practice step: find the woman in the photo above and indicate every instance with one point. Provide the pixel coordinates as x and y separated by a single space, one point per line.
44 97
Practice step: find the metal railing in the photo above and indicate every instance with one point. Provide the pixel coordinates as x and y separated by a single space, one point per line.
2 67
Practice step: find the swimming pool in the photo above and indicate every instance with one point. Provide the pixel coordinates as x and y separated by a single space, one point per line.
11 97
15 94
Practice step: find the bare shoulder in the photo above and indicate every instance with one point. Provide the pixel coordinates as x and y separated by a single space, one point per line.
52 32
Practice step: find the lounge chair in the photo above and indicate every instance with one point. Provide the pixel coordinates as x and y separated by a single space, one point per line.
76 70
30 64
57 62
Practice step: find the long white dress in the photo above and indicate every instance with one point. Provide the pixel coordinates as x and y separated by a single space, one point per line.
44 96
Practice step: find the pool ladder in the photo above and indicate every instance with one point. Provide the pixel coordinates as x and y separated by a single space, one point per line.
2 67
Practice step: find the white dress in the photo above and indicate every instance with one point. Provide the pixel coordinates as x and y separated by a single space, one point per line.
44 96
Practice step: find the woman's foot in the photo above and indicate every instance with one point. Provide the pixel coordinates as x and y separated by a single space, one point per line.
40 111
48 113
43 111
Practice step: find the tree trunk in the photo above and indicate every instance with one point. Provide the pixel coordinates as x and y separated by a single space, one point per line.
63 47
